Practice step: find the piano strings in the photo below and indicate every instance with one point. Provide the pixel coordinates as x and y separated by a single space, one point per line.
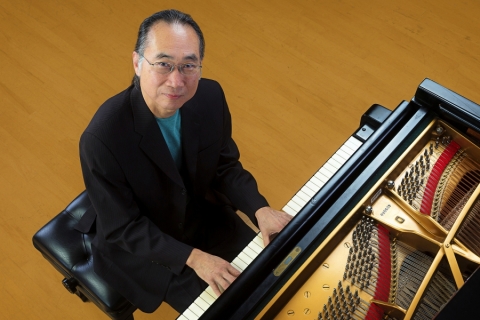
387 270
469 231
439 291
380 266
440 182
383 274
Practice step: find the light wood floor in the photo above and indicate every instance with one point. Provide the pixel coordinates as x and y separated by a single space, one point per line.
298 75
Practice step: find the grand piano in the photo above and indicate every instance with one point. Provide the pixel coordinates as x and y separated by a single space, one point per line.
387 228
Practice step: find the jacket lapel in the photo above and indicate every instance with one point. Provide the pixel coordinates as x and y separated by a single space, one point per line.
152 143
190 136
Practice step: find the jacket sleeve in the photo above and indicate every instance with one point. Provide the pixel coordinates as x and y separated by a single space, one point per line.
235 182
119 220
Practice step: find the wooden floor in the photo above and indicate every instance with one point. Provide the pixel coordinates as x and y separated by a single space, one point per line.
298 75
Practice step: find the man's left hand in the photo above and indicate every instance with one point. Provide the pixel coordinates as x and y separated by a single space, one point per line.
271 221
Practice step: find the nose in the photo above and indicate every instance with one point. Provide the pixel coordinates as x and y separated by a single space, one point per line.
175 78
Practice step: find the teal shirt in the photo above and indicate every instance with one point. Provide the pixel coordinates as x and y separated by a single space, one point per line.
171 130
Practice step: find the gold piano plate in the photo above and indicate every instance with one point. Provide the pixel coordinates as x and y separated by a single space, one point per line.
405 248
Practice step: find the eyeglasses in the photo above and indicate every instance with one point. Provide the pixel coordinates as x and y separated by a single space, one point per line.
188 69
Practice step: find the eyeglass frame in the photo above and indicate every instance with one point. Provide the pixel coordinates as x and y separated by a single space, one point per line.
178 66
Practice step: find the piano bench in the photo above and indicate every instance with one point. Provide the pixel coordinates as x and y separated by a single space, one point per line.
69 251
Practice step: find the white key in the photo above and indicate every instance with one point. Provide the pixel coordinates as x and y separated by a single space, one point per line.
349 146
353 144
249 252
294 206
255 247
327 173
242 265
330 168
357 142
332 162
322 178
245 258
207 297
345 156
289 210
196 309
298 200
236 266
303 196
258 240
317 182
200 301
189 314
336 162
308 191
209 290
313 186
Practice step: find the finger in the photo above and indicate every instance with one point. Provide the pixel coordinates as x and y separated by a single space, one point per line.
266 238
285 217
222 284
229 278
233 271
272 236
215 288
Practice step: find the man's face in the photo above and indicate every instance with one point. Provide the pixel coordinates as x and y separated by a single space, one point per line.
175 44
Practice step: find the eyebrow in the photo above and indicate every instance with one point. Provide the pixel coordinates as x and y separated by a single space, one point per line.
191 57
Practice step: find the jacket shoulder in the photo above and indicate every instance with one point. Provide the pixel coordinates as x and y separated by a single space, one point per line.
209 86
114 112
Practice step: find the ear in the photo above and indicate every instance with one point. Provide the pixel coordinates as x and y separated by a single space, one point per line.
136 65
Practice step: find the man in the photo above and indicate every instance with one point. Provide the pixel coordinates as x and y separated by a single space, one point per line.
163 175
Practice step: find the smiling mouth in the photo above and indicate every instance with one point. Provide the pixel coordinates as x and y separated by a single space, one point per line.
172 96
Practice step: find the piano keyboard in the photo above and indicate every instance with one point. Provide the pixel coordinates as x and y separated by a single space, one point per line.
298 201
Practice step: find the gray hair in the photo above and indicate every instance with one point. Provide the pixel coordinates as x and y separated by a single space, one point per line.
171 17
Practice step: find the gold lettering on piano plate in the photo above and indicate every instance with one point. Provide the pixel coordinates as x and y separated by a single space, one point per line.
385 210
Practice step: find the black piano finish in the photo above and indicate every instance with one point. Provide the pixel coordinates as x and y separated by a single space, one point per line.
463 305
386 135
460 112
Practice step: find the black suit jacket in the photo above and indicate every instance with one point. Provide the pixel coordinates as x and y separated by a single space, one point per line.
140 197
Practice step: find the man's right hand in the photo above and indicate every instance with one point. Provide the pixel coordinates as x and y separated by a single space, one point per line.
215 271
